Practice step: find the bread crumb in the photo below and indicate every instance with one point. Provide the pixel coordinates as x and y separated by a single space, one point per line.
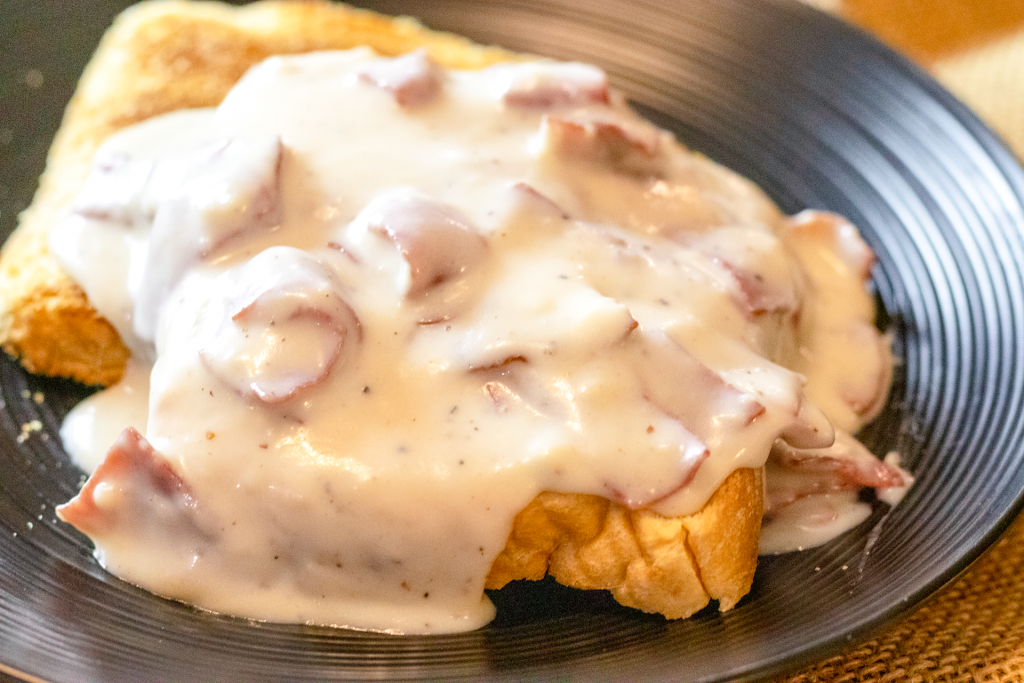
34 79
27 428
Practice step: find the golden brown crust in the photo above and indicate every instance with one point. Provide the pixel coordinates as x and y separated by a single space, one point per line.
670 565
168 55
45 318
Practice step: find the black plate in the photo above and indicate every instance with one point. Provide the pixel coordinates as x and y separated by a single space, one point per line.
813 111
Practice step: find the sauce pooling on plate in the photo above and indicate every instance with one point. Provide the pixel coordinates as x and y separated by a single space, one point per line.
380 306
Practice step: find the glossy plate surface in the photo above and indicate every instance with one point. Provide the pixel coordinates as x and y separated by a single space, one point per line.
813 111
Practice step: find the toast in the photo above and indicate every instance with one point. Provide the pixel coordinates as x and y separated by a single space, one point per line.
162 56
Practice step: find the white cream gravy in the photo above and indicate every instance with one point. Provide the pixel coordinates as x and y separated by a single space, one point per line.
387 305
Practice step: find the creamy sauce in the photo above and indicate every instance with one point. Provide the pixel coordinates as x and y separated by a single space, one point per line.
812 520
95 423
387 305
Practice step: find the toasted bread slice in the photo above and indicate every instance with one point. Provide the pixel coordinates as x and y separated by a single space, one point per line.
670 565
165 55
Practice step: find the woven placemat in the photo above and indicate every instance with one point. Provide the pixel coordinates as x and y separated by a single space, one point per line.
972 630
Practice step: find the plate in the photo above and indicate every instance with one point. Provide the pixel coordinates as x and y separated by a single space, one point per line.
812 110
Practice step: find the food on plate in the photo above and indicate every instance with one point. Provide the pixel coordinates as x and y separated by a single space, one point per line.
417 318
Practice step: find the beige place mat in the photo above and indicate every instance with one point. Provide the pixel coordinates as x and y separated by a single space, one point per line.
973 630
